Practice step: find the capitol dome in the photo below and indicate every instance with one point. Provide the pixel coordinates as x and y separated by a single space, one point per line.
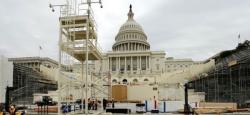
131 36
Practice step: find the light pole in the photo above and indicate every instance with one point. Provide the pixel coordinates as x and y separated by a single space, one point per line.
89 2
59 60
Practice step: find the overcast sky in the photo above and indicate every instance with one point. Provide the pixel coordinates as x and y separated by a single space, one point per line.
195 29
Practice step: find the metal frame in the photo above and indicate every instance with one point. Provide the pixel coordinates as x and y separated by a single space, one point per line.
228 83
72 19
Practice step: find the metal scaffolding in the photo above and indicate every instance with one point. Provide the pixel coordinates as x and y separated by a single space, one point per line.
77 45
26 82
229 81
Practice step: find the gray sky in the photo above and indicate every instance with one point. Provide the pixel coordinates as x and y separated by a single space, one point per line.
194 29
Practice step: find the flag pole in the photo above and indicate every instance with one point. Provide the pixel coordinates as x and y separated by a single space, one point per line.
40 48
239 38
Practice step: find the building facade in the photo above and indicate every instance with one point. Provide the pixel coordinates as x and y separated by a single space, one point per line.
35 62
132 61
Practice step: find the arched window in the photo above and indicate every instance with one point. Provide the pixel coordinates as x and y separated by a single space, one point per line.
135 80
146 80
114 81
124 81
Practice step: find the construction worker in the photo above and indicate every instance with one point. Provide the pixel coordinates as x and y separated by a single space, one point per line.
104 103
113 103
1 109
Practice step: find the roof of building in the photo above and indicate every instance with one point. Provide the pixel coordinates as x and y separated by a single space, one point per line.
24 59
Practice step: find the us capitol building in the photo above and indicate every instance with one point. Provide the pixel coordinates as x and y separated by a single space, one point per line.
132 61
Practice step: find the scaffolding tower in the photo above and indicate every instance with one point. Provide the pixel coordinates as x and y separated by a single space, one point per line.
77 45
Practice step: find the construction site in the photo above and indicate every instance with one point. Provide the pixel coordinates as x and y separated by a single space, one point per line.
29 79
131 79
228 81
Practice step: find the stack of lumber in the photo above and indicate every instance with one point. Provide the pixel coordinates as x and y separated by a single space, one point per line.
214 108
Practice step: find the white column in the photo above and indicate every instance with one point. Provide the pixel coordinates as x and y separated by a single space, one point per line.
117 68
111 63
146 62
131 64
140 62
125 68
124 46
149 63
129 46
119 65
133 46
137 61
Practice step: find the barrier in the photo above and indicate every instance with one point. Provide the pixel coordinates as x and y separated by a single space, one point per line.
118 110
140 108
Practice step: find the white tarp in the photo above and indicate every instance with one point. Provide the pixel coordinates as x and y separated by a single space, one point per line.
6 76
